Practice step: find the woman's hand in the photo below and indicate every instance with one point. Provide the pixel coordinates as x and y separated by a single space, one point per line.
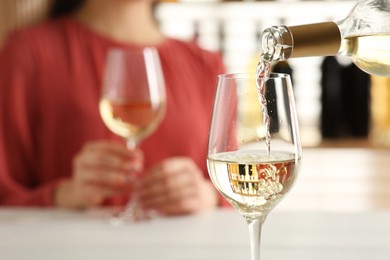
176 186
101 169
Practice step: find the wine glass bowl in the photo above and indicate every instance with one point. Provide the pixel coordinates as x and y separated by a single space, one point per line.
133 97
254 162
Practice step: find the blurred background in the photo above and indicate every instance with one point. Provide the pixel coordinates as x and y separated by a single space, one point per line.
338 105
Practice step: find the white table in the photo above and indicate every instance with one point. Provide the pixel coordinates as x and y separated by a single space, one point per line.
218 235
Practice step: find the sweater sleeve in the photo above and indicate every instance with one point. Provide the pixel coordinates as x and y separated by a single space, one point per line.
18 109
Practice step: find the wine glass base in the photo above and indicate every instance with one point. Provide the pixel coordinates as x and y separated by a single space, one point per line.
130 215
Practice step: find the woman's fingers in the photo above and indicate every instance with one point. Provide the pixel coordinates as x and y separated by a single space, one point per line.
95 195
70 195
168 183
169 167
178 202
102 169
109 178
171 187
110 156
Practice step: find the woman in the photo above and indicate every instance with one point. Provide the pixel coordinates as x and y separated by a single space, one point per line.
54 148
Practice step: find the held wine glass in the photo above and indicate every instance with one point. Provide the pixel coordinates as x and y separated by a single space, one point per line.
132 104
254 174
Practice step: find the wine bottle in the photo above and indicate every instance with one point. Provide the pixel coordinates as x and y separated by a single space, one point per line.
364 36
345 100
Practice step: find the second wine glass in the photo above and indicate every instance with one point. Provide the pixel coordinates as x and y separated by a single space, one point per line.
253 162
133 101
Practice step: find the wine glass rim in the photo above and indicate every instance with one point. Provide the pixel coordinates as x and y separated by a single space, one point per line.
246 75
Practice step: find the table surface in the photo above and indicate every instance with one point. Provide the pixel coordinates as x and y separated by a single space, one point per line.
218 235
339 209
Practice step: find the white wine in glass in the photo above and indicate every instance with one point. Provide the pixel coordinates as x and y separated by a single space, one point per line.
254 157
133 101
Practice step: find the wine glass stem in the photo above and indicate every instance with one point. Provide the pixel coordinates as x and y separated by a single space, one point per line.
131 212
254 225
131 144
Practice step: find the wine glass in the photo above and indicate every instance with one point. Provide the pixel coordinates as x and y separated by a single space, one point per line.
254 157
132 104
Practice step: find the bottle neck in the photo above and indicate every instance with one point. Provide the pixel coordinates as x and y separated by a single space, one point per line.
320 39
282 42
276 43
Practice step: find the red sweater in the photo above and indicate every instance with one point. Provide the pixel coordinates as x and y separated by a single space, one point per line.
50 81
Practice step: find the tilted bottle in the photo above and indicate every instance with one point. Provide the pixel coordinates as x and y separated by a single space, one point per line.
364 36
